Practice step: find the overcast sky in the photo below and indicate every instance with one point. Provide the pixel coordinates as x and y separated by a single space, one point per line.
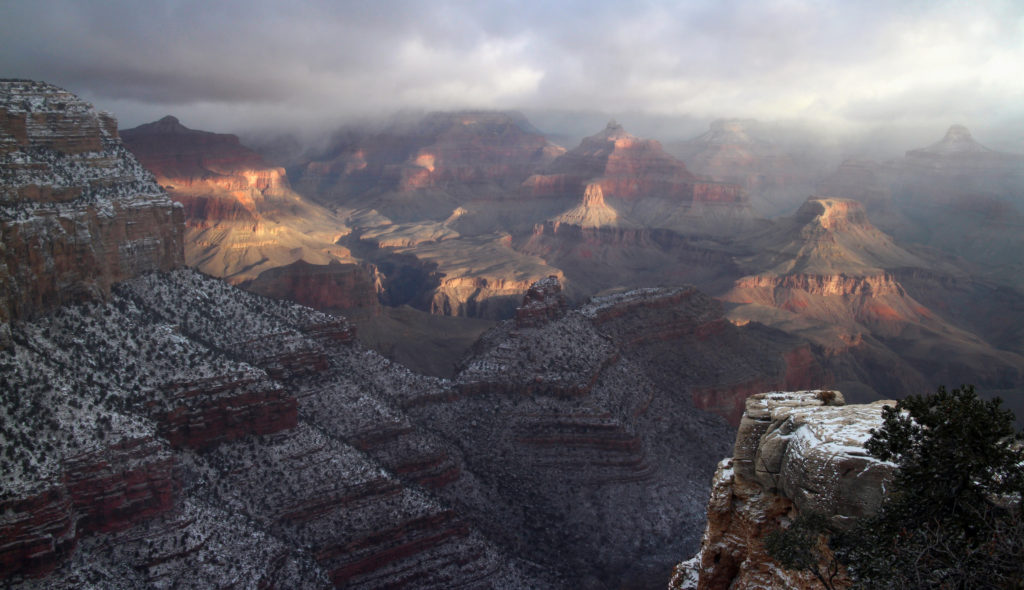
226 65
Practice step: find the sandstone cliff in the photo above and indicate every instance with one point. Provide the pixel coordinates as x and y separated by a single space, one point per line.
795 452
241 215
77 213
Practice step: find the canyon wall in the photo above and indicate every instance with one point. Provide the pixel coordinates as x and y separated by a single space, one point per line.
241 215
77 213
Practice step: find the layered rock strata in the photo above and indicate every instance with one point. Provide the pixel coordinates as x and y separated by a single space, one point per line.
795 453
77 213
333 287
184 432
241 215
578 415
306 450
828 275
623 180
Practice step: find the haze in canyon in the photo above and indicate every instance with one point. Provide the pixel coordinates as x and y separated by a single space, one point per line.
457 295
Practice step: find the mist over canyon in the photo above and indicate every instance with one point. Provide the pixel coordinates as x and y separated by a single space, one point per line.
446 351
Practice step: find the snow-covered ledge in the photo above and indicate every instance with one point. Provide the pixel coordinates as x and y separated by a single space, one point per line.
795 452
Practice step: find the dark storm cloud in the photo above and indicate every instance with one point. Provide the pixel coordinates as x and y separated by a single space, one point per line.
230 64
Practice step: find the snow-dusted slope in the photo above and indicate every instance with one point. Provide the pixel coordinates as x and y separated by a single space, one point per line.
77 211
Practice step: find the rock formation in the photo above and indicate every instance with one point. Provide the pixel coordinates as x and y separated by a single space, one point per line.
241 216
955 196
639 181
423 170
172 428
795 453
827 274
593 212
542 303
76 214
574 414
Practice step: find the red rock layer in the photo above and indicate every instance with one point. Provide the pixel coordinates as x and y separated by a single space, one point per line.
38 533
127 483
109 490
51 261
205 413
366 559
171 151
240 213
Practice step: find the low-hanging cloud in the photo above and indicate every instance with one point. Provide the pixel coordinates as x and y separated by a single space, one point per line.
228 65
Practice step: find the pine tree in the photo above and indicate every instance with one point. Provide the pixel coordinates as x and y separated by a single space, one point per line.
953 516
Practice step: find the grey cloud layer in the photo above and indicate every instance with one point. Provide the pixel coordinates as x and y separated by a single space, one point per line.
838 62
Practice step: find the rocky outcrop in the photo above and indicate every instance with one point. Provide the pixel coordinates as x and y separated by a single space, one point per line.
99 491
795 453
77 212
593 212
204 413
542 303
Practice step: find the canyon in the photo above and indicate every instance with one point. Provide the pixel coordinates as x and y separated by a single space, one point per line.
600 322
166 428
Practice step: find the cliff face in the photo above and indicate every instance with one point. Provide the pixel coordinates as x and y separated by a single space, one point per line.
795 452
251 439
77 212
241 215
333 287
579 415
